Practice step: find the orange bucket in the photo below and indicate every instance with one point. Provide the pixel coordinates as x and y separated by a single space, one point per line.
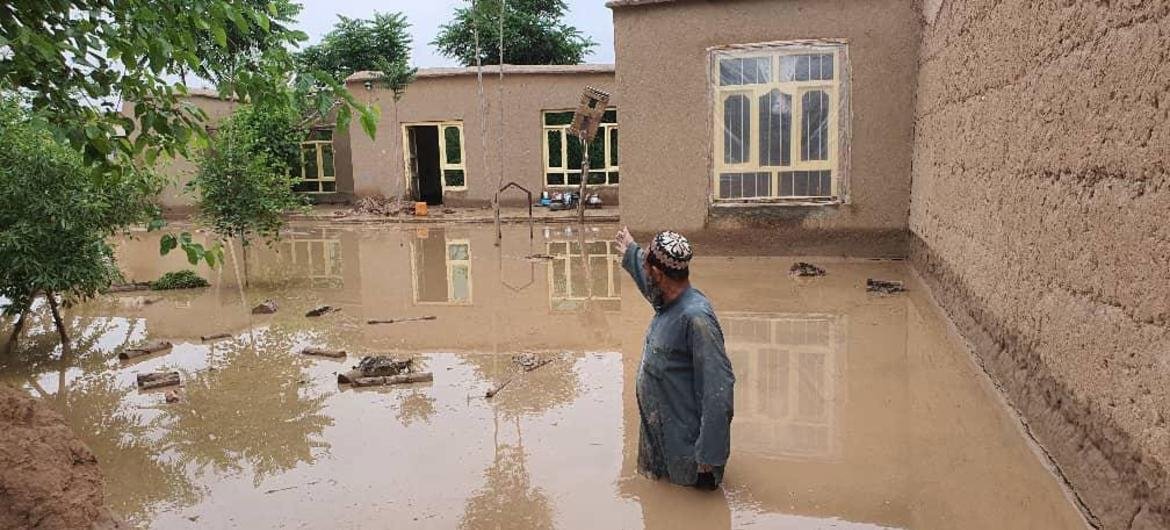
420 209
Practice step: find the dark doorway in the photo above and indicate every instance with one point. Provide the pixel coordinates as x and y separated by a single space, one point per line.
423 142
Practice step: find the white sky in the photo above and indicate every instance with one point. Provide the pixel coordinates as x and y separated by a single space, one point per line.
591 17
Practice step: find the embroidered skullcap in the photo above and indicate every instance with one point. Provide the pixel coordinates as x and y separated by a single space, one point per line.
671 250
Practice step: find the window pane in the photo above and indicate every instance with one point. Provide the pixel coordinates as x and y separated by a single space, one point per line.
736 136
574 179
613 147
327 160
452 141
329 186
775 129
613 177
458 252
454 178
554 149
802 68
597 152
786 179
460 283
610 116
309 156
574 151
305 186
321 134
814 136
558 118
596 177
554 179
788 68
827 66
730 72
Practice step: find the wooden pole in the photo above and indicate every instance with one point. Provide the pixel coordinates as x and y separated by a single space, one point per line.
584 179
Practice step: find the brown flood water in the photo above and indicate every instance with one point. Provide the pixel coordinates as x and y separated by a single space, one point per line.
852 410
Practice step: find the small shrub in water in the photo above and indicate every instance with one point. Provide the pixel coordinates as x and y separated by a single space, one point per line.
184 279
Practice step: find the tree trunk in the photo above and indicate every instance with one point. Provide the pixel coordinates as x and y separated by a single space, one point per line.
15 336
244 247
66 349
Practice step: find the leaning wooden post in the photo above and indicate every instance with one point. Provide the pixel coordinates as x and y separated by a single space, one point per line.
584 179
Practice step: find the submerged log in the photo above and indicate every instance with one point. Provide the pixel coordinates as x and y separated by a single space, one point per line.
146 349
884 286
217 336
268 307
157 380
321 310
417 377
322 352
805 269
400 320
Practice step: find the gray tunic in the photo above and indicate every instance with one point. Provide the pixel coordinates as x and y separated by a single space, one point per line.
685 386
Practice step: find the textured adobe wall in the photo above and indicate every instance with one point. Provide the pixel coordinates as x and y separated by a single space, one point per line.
1040 215
662 65
378 165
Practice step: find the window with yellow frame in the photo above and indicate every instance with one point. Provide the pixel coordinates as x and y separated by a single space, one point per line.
562 160
318 174
777 127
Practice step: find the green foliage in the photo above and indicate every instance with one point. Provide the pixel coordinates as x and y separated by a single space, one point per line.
380 44
245 183
184 279
56 212
76 58
534 33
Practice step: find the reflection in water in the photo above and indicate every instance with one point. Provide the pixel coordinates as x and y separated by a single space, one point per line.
310 258
415 405
570 283
441 268
507 498
247 409
788 367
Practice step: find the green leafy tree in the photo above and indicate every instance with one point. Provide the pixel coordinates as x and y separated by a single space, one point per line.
56 213
534 33
244 184
379 44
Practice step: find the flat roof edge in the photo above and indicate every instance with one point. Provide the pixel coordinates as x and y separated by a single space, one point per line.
536 69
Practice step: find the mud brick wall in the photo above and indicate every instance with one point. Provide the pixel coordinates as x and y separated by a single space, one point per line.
1040 215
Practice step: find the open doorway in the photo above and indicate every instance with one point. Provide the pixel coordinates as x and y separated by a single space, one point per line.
434 160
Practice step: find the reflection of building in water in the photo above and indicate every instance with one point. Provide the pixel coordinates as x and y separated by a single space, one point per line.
317 261
569 282
441 269
788 394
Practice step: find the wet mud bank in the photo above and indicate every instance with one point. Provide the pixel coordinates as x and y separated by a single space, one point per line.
48 478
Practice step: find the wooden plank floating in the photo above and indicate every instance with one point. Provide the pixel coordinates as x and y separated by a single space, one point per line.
267 307
884 286
217 336
401 320
321 310
157 380
146 349
322 352
418 377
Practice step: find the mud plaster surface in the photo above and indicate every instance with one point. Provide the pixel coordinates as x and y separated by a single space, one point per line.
852 410
48 478
1039 216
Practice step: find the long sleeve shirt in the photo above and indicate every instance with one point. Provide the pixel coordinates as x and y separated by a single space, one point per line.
685 386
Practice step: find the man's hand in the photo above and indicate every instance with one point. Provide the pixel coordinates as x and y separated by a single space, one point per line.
623 239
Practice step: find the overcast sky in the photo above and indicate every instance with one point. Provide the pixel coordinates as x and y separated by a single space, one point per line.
591 17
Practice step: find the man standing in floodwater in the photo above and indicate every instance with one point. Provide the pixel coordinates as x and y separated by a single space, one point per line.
685 384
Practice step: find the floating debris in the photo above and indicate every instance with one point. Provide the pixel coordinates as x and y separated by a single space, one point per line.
157 380
321 310
417 377
216 336
267 307
383 207
539 257
129 287
172 396
803 269
376 366
146 349
530 361
400 320
496 389
322 352
884 286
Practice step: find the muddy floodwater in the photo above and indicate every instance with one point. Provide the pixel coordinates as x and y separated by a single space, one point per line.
852 410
